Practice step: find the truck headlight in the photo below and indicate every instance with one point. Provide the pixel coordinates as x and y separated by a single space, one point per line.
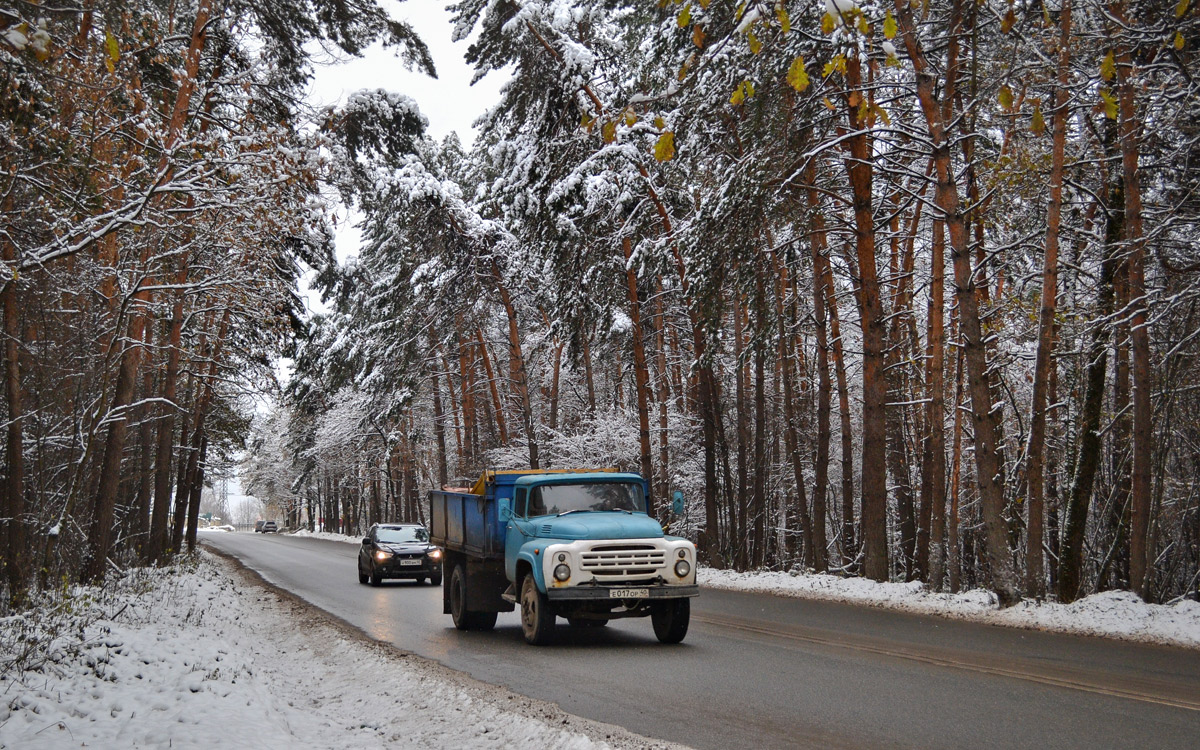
562 572
380 555
682 568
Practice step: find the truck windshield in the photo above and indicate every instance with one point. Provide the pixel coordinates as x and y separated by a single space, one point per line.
399 536
552 499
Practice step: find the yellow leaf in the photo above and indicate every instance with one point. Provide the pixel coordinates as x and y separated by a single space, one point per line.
664 149
883 115
608 131
113 49
685 17
854 98
1181 8
828 104
839 64
1009 20
863 26
827 24
889 26
631 117
1038 126
704 3
749 88
755 45
1178 40
797 76
785 21
738 96
1110 104
827 70
863 109
698 36
586 122
1108 68
740 10
1006 97
660 123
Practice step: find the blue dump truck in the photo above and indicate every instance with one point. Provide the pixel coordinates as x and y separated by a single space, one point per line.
571 544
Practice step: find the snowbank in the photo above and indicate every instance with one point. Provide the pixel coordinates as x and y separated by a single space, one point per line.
1113 614
192 657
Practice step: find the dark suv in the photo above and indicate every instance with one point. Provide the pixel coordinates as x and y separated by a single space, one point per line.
399 550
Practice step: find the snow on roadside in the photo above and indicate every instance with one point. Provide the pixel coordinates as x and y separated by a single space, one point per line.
1113 614
193 657
328 535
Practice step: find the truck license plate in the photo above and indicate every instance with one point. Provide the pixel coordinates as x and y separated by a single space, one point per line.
410 562
628 593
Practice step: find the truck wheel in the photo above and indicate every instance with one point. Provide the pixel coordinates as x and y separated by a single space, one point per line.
465 619
670 619
537 619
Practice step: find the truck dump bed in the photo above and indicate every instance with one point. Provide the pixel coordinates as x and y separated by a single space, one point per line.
466 522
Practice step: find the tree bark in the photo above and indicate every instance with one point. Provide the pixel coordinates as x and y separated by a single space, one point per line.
516 364
1035 585
641 375
935 420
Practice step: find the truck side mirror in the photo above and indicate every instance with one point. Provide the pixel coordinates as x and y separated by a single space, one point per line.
677 503
505 512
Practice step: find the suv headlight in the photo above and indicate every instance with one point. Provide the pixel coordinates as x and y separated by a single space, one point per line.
380 555
435 554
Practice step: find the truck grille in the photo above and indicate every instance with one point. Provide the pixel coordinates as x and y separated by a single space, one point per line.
624 561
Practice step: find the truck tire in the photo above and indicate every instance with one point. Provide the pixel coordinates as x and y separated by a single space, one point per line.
670 618
465 619
537 619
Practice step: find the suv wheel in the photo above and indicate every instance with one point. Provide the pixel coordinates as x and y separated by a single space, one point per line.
362 577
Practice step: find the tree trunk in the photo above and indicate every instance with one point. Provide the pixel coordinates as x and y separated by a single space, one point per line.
1035 584
935 421
1070 563
874 435
989 466
1139 325
496 403
439 426
12 498
516 364
641 374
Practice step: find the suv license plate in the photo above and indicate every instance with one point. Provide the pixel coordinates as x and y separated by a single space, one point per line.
410 562
628 593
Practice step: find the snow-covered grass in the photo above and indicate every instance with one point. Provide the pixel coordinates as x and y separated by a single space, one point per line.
196 656
1113 614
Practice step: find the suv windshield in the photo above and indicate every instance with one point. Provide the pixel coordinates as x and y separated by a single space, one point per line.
552 499
399 536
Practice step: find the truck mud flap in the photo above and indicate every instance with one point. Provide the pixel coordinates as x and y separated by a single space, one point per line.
576 593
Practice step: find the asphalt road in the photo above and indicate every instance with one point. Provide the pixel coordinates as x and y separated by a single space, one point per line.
759 671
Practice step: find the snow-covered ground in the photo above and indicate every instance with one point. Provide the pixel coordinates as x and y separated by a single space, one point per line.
1112 614
200 656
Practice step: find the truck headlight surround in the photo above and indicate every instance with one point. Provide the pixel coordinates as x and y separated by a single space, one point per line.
562 572
682 568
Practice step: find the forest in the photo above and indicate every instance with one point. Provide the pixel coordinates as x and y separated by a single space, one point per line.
897 289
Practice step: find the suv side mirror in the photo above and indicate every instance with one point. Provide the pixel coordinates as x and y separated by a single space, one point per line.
677 503
366 540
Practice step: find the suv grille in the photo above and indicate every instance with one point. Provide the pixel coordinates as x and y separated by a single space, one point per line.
624 561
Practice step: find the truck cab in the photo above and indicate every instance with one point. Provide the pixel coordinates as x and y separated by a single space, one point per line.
571 544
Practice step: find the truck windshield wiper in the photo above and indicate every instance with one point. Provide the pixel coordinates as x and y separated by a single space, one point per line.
575 510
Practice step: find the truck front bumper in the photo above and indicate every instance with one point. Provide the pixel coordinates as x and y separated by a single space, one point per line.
606 593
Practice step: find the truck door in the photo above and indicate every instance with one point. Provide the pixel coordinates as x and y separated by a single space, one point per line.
518 531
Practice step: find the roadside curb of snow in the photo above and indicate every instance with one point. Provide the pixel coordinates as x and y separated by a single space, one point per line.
550 714
1118 615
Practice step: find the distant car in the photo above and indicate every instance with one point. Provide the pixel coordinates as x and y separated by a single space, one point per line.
258 526
269 526
399 550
